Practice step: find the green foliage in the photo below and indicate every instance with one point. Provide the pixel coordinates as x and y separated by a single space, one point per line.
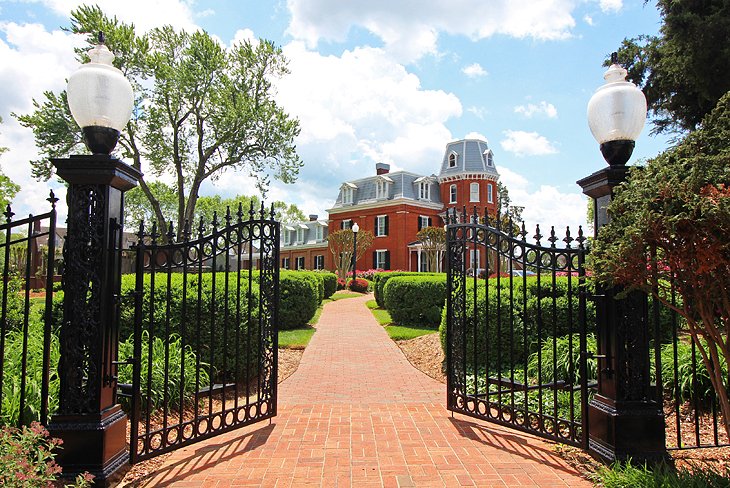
682 71
201 109
400 333
165 384
687 373
329 280
509 322
12 369
12 303
296 338
629 475
415 300
299 298
563 362
381 278
209 321
27 459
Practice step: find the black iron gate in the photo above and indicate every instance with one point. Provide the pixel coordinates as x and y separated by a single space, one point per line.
519 345
202 341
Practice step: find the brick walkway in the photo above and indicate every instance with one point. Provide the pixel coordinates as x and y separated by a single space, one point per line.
356 413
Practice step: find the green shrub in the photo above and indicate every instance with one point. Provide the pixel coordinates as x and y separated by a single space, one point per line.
358 285
626 474
182 365
415 300
330 283
508 321
381 278
320 283
564 359
12 304
12 364
686 374
27 459
299 299
204 311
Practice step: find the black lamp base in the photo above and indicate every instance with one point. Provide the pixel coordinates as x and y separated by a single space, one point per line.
100 140
617 153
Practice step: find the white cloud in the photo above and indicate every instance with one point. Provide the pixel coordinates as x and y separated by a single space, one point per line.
479 112
611 5
588 20
523 143
410 29
542 108
545 206
474 70
476 135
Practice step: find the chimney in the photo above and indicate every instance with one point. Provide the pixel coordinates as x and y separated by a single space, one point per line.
313 217
382 168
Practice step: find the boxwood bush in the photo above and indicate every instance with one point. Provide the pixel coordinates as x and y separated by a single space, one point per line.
329 281
415 300
381 278
299 298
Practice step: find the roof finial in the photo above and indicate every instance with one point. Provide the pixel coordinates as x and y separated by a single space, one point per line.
101 37
614 57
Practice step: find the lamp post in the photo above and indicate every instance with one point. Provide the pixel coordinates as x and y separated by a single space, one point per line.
355 230
625 417
89 420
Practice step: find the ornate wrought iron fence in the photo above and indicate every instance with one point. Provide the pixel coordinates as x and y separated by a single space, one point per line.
691 409
518 340
27 339
203 351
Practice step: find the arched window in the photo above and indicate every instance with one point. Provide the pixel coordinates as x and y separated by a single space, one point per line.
452 194
474 192
488 158
452 160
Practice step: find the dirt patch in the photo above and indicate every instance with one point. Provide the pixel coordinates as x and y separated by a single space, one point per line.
425 354
288 362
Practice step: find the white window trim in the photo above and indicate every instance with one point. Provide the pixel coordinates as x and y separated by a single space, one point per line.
471 192
455 158
380 218
474 256
452 193
347 224
300 236
381 189
424 221
424 190
318 233
490 193
378 263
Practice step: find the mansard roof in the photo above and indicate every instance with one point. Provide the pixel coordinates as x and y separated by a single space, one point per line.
468 156
401 184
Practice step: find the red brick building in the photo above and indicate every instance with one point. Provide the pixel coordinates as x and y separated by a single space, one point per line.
394 207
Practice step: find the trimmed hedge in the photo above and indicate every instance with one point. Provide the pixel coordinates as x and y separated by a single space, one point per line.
381 278
415 300
494 316
299 293
330 283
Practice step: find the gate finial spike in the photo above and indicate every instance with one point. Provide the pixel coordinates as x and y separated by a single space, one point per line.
537 235
228 215
523 231
201 227
581 238
475 216
186 230
140 232
499 219
239 214
552 237
8 213
170 233
52 198
262 212
272 213
511 230
215 219
567 239
154 235
251 211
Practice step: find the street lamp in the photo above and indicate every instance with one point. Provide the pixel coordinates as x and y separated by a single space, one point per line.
616 114
89 420
355 230
100 99
625 418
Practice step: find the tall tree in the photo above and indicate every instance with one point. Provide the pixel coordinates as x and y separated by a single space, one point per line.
8 189
201 109
341 245
682 71
669 231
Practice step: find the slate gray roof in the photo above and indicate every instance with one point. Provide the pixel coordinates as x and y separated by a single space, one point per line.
404 185
472 155
289 234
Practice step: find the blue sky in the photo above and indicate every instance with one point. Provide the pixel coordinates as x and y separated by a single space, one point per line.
378 81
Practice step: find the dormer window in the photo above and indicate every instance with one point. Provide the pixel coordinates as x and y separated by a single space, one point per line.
319 234
452 160
381 190
488 157
424 190
348 193
300 235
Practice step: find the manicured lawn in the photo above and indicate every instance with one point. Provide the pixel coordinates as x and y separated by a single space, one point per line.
398 333
340 295
295 338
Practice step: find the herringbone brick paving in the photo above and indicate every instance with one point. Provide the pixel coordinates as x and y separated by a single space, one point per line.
357 414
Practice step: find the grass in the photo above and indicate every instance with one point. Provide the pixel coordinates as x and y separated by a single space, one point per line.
295 338
622 475
400 333
341 295
396 332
